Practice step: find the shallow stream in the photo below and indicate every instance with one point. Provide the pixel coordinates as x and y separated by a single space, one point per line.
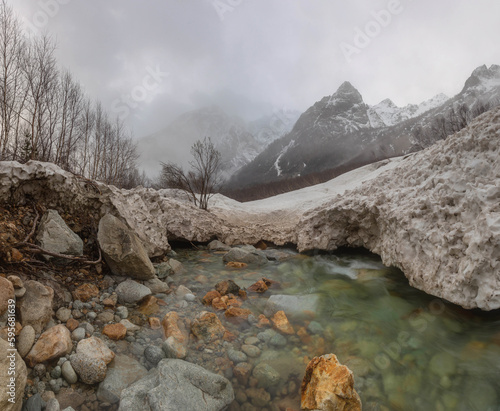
408 350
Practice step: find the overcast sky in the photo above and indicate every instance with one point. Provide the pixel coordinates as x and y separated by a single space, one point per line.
149 61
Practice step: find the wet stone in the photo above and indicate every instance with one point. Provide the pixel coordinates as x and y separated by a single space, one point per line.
236 356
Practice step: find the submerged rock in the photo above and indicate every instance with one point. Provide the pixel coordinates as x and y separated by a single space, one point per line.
178 385
247 256
122 373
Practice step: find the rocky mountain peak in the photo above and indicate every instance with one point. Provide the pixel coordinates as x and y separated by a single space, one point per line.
483 77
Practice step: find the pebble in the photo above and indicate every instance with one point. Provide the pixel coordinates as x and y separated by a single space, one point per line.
78 334
92 315
33 403
252 341
266 336
154 354
315 327
77 305
63 314
52 405
251 350
236 356
39 370
122 312
56 372
189 297
69 373
278 340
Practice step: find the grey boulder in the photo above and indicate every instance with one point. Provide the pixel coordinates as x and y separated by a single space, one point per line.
178 385
55 236
131 292
245 255
123 251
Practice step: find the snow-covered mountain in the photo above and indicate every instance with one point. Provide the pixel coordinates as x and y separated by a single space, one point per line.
238 142
341 132
386 113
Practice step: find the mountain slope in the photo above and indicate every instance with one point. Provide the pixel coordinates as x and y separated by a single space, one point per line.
342 132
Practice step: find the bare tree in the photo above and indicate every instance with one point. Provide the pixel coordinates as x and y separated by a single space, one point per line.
202 180
12 90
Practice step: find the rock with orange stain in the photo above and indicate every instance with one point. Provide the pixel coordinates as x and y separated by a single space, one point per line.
115 331
219 304
207 327
149 305
72 324
259 287
86 292
237 314
328 385
236 264
15 255
261 245
154 323
52 344
227 287
210 296
242 294
281 323
229 336
242 372
173 326
233 302
175 345
263 321
303 335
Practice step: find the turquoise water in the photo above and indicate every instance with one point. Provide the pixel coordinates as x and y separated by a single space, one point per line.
408 350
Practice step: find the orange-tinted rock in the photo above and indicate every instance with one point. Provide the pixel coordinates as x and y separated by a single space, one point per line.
227 287
261 245
304 335
229 336
209 297
154 323
237 313
174 327
149 305
52 344
110 301
115 331
233 302
271 283
207 327
242 372
328 385
219 304
259 287
72 324
15 255
86 292
242 294
281 323
263 321
236 264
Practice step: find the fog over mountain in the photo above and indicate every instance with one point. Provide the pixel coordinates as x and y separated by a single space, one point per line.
152 62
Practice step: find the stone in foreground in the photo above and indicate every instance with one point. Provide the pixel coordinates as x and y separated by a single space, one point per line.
123 251
178 385
328 386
